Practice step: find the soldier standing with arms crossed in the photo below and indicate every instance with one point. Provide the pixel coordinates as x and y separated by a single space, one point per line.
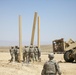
51 67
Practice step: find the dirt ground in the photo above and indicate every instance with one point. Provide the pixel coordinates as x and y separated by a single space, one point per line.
35 68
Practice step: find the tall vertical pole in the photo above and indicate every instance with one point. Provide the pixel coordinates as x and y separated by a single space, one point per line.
38 41
20 38
33 29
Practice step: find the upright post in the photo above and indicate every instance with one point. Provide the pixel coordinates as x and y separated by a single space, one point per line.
38 41
20 38
33 29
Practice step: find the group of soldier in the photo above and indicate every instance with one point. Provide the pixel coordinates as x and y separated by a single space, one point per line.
30 53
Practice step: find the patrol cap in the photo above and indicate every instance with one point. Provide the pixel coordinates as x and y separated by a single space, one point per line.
51 55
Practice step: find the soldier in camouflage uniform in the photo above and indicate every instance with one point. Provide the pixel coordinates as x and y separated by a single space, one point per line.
37 53
12 53
16 51
51 67
31 53
26 54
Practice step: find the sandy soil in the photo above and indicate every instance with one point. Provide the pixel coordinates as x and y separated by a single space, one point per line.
35 68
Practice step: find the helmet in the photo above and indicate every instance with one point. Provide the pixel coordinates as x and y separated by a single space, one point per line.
31 46
36 46
16 47
51 55
12 47
25 46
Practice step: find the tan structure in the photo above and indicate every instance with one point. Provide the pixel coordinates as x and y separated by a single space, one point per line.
20 38
66 45
38 40
70 51
33 29
71 46
70 41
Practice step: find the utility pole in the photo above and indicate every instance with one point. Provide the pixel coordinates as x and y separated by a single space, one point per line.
38 41
33 29
20 38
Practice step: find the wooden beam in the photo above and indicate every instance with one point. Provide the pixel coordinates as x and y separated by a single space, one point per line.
38 32
20 38
33 29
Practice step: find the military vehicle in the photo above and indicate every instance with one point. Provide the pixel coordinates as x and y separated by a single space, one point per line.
68 48
70 51
58 46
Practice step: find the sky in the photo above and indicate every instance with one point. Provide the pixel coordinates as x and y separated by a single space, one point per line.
57 20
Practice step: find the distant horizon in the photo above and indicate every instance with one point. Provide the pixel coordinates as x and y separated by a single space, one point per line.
13 43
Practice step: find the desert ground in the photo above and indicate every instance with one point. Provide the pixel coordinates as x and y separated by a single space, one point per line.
14 68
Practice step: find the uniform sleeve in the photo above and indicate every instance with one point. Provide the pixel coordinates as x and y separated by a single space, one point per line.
58 68
43 70
39 51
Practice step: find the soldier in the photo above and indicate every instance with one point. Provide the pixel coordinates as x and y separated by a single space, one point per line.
37 53
12 54
51 67
31 53
26 54
16 53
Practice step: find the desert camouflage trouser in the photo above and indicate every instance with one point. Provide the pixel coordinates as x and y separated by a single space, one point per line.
12 57
31 56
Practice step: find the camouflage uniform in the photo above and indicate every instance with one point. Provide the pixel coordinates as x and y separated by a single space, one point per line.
31 53
12 53
37 53
16 53
26 54
51 67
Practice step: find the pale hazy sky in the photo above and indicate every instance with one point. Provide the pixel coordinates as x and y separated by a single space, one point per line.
57 20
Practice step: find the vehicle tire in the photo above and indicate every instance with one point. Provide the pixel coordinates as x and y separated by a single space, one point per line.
67 56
